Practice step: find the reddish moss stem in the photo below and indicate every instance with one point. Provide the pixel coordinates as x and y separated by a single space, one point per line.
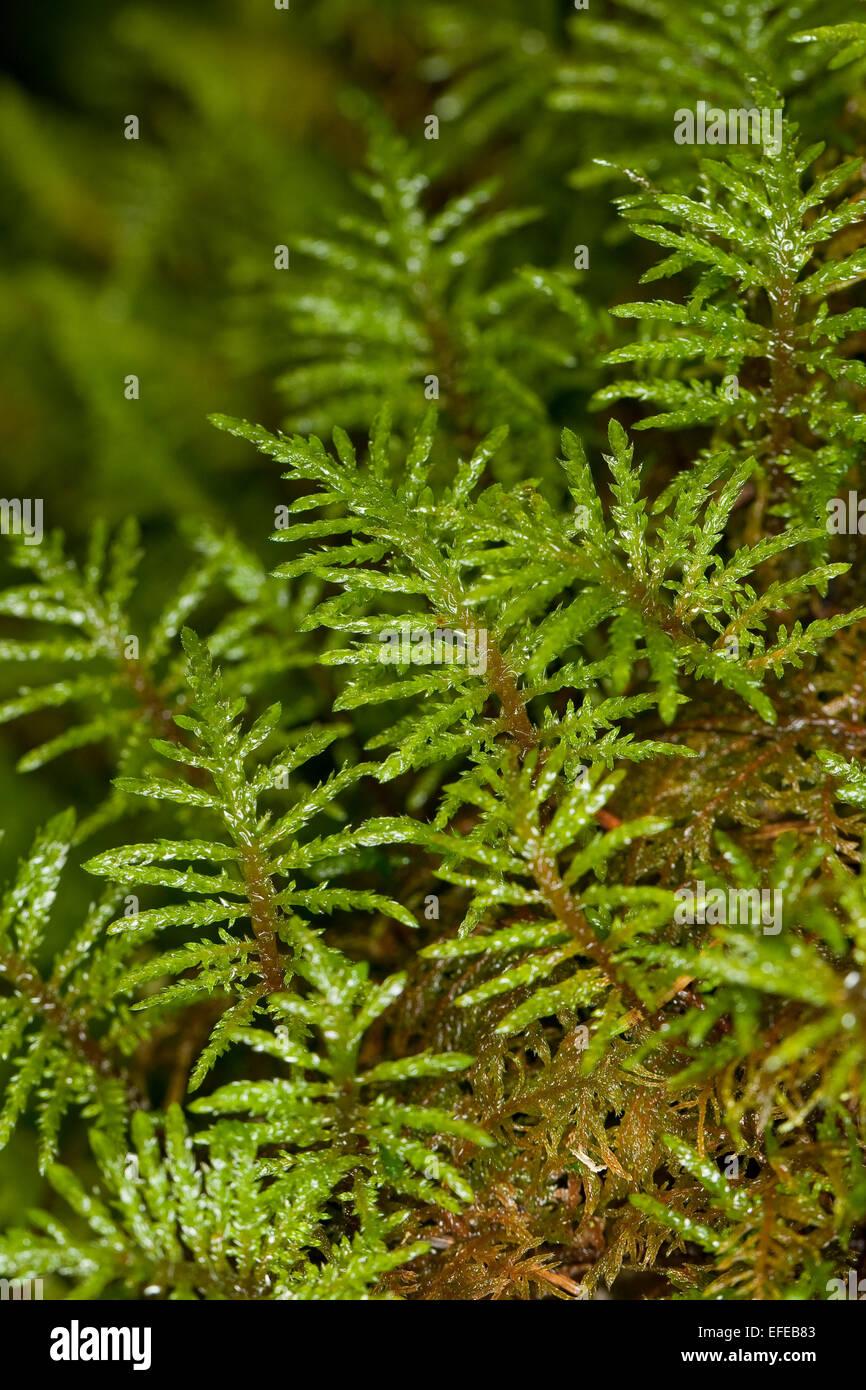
56 1013
259 891
263 916
544 870
566 910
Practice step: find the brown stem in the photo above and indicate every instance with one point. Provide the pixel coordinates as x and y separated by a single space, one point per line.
783 379
543 868
783 386
502 683
259 891
566 910
263 916
55 1012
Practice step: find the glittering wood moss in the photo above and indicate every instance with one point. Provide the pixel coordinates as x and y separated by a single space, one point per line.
435 958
